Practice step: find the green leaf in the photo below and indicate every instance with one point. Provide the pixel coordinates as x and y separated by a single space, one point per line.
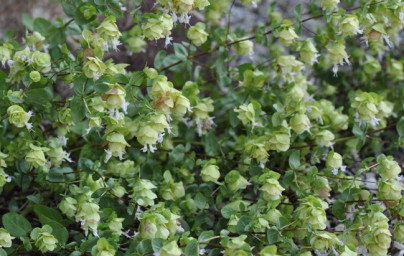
400 127
28 21
180 51
298 17
3 252
205 235
200 201
211 143
360 134
78 109
25 240
227 211
243 224
156 244
338 209
47 214
54 219
192 248
41 25
56 174
16 224
294 159
273 235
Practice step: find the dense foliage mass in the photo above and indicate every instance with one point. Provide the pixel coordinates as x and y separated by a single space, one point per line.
284 139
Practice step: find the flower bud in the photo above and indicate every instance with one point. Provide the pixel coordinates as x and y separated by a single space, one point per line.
108 30
65 116
201 4
97 104
371 66
300 123
170 249
348 252
116 225
68 206
117 144
5 53
253 79
44 240
388 168
308 53
115 97
389 190
94 68
103 248
288 35
395 70
329 4
36 156
334 160
41 61
88 11
272 190
35 76
244 47
210 173
365 104
246 113
312 211
197 34
279 138
157 26
88 215
398 232
151 73
5 238
337 53
349 26
324 138
143 194
323 241
17 116
235 181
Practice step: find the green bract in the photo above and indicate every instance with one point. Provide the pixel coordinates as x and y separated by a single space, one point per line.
201 127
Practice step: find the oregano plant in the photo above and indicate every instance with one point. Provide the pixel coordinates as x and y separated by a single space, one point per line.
169 127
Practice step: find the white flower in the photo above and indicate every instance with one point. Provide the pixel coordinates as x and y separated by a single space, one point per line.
156 254
387 39
184 18
180 229
115 43
108 155
29 126
334 171
10 63
8 177
96 75
374 122
63 140
335 70
125 107
67 157
343 168
88 130
168 41
169 119
169 129
120 155
202 251
160 137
